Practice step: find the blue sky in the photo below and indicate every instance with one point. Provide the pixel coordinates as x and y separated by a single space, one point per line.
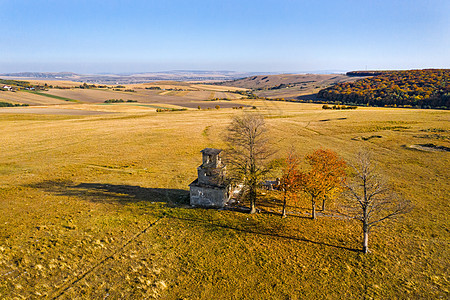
96 36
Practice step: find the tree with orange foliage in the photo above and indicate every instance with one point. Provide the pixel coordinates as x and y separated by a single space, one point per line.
325 177
289 183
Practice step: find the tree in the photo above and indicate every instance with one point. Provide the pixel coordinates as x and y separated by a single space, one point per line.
324 178
369 199
248 152
289 183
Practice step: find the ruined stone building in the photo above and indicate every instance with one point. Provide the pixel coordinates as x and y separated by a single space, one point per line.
210 189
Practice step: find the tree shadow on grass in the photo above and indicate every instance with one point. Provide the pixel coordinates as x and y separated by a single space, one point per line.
122 194
128 194
258 231
271 205
309 97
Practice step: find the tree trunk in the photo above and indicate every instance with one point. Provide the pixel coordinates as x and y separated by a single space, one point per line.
323 204
252 206
283 214
365 238
252 196
313 215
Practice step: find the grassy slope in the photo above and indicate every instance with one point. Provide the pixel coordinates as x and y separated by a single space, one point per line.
300 84
80 197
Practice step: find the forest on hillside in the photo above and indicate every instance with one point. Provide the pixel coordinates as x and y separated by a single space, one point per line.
427 88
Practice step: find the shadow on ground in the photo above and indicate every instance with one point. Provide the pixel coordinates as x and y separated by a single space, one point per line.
128 194
256 229
309 97
123 194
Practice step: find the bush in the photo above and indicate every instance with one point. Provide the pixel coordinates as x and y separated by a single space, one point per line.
170 109
114 101
7 104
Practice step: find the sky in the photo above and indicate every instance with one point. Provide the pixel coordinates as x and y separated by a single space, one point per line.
115 36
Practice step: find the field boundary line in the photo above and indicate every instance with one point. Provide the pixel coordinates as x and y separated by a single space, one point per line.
101 262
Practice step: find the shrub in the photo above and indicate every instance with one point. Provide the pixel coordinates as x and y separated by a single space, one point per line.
7 104
170 109
114 101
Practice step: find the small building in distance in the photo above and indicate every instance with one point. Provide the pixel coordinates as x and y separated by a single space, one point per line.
210 189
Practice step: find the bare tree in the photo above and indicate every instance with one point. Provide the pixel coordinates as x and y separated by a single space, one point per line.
248 152
370 199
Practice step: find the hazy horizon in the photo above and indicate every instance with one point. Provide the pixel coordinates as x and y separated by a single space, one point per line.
95 37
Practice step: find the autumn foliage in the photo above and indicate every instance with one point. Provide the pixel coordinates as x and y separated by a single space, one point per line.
427 88
325 177
289 182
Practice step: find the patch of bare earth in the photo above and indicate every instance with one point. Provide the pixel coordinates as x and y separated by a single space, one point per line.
430 148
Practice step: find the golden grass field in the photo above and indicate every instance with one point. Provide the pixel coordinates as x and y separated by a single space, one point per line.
96 206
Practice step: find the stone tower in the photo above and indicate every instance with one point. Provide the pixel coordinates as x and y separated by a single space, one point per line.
210 188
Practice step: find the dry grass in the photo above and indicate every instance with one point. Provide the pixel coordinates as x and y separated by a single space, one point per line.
179 94
95 206
189 86
218 88
187 98
299 85
29 98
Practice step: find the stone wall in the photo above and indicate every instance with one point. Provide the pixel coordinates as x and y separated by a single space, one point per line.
208 196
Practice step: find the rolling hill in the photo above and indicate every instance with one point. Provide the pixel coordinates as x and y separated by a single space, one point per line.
413 88
289 86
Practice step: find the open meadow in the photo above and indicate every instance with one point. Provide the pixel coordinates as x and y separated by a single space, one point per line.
97 206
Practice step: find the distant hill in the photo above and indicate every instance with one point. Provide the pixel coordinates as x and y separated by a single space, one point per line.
427 88
289 86
58 75
177 75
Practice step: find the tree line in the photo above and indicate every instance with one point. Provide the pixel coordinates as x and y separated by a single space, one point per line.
427 88
363 193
